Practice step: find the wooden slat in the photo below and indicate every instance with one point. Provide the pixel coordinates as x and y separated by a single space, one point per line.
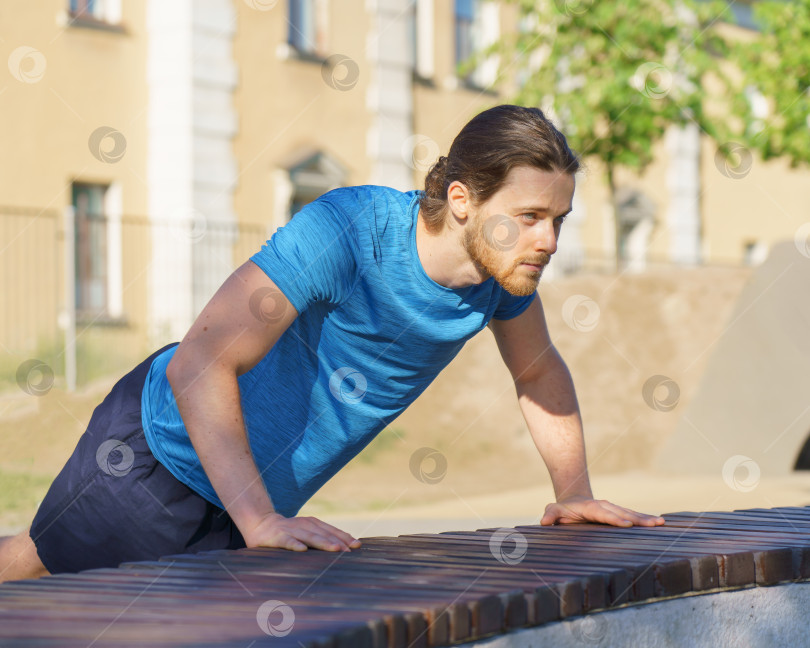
418 590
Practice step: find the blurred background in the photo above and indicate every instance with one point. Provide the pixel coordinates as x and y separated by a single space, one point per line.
148 149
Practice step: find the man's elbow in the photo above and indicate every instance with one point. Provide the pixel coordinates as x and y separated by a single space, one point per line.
195 364
547 365
182 368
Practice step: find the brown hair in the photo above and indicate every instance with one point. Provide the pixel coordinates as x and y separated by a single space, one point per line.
487 149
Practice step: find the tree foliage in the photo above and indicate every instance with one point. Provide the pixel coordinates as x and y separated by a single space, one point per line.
616 74
777 66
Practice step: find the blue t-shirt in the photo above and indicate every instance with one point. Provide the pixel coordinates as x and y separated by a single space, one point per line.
373 331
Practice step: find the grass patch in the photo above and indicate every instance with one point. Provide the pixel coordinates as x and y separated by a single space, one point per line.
100 352
48 353
21 492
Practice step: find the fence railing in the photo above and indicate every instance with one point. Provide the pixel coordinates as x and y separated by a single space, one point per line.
79 293
30 270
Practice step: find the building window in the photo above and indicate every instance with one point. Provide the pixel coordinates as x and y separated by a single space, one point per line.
464 27
744 15
303 177
477 26
306 26
312 176
95 12
91 248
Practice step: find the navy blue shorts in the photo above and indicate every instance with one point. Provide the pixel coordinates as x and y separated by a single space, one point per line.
114 502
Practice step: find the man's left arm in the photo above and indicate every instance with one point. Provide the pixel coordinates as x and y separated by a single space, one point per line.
548 401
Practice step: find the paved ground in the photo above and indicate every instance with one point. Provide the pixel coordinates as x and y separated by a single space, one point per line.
639 490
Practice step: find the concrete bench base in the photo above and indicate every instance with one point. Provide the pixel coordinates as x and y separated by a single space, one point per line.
752 617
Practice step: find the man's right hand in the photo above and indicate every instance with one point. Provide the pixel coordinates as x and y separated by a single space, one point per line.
298 533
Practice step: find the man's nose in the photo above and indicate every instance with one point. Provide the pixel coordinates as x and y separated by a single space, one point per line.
545 237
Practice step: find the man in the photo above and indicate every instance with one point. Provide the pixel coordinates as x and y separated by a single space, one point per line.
312 347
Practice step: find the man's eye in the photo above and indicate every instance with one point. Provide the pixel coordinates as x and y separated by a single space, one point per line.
529 217
560 220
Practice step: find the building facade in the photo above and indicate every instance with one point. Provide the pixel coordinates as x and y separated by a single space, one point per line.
150 147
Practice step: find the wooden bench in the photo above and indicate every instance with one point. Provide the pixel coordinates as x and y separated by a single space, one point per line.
412 590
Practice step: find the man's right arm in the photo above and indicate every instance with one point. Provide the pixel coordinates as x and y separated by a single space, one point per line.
235 330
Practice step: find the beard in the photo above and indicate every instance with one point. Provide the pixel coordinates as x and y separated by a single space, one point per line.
491 261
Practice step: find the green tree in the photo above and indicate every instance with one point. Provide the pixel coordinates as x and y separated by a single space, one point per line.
616 74
777 66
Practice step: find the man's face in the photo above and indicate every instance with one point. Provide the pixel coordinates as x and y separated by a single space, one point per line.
512 236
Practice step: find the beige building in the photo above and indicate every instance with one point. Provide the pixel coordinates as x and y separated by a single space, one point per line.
150 147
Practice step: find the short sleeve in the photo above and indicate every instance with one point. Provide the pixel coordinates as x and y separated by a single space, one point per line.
313 257
511 305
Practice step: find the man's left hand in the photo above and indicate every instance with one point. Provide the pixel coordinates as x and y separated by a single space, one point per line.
581 509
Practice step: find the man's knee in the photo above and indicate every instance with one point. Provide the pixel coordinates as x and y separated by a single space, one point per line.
19 558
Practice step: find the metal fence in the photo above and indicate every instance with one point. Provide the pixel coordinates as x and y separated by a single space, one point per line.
78 290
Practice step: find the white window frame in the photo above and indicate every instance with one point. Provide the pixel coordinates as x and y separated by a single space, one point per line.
102 11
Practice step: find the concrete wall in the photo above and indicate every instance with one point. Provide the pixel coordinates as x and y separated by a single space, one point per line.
755 617
750 415
73 107
87 78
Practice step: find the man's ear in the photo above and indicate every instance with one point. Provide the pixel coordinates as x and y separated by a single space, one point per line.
458 200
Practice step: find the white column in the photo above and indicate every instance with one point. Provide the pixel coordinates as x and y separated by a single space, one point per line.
425 54
389 98
191 166
113 207
68 317
683 182
169 166
214 126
